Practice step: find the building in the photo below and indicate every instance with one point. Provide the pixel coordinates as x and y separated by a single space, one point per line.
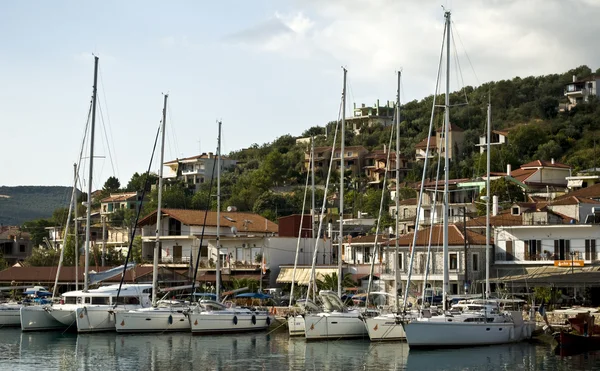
463 246
15 245
378 161
377 115
579 91
185 232
547 179
196 170
583 179
353 159
436 146
498 138
120 201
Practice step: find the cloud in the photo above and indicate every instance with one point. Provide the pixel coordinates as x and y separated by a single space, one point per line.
501 39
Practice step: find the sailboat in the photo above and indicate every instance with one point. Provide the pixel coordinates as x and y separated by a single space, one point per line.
92 310
389 326
485 325
162 315
336 321
210 316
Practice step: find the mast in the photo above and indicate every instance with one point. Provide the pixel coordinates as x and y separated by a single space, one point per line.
76 232
397 270
341 236
218 263
62 250
446 162
157 244
487 204
312 171
89 200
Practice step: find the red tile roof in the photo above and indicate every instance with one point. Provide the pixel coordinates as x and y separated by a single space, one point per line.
423 144
572 200
67 274
119 197
244 222
592 191
542 163
455 237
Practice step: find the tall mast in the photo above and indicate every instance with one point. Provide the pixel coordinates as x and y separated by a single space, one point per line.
89 200
446 161
76 226
341 238
397 270
157 244
487 204
218 263
312 170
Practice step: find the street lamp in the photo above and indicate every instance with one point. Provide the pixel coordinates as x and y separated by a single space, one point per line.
572 253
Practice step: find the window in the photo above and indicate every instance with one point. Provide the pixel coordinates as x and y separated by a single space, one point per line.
22 248
453 260
590 249
561 249
515 210
533 249
174 227
400 262
366 255
509 250
475 262
100 300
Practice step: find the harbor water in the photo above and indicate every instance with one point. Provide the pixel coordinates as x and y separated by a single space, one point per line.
276 351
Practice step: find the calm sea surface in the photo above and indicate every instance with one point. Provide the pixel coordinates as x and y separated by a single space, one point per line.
111 351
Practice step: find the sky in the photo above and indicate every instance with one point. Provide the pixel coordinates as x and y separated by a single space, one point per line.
266 68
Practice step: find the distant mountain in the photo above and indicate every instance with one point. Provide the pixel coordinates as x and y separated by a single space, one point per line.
23 203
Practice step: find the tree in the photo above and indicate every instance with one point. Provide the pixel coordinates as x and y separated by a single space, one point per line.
42 257
37 230
314 131
112 184
136 250
137 182
506 190
3 262
330 281
549 150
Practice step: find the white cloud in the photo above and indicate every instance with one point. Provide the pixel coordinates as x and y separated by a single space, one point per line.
373 38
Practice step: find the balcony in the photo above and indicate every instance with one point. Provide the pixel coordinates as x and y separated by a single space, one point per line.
540 259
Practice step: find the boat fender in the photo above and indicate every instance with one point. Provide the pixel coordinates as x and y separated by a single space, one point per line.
235 320
170 319
253 319
268 321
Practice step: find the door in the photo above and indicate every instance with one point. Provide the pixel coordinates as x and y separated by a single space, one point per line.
177 254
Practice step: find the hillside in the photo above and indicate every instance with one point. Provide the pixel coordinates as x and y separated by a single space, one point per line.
23 203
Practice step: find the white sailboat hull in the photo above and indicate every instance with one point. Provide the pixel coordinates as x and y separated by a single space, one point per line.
151 320
10 315
334 326
296 325
38 318
228 321
433 334
385 328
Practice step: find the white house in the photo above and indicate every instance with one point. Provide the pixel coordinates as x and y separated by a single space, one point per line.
185 232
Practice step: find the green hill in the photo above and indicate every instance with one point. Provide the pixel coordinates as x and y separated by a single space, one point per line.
23 203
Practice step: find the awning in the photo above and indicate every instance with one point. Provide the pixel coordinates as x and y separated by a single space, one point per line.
549 275
302 275
574 183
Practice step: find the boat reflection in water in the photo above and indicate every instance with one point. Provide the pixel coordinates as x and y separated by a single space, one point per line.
481 358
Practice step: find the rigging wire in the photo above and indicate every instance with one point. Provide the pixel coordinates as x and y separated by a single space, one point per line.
110 131
137 217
